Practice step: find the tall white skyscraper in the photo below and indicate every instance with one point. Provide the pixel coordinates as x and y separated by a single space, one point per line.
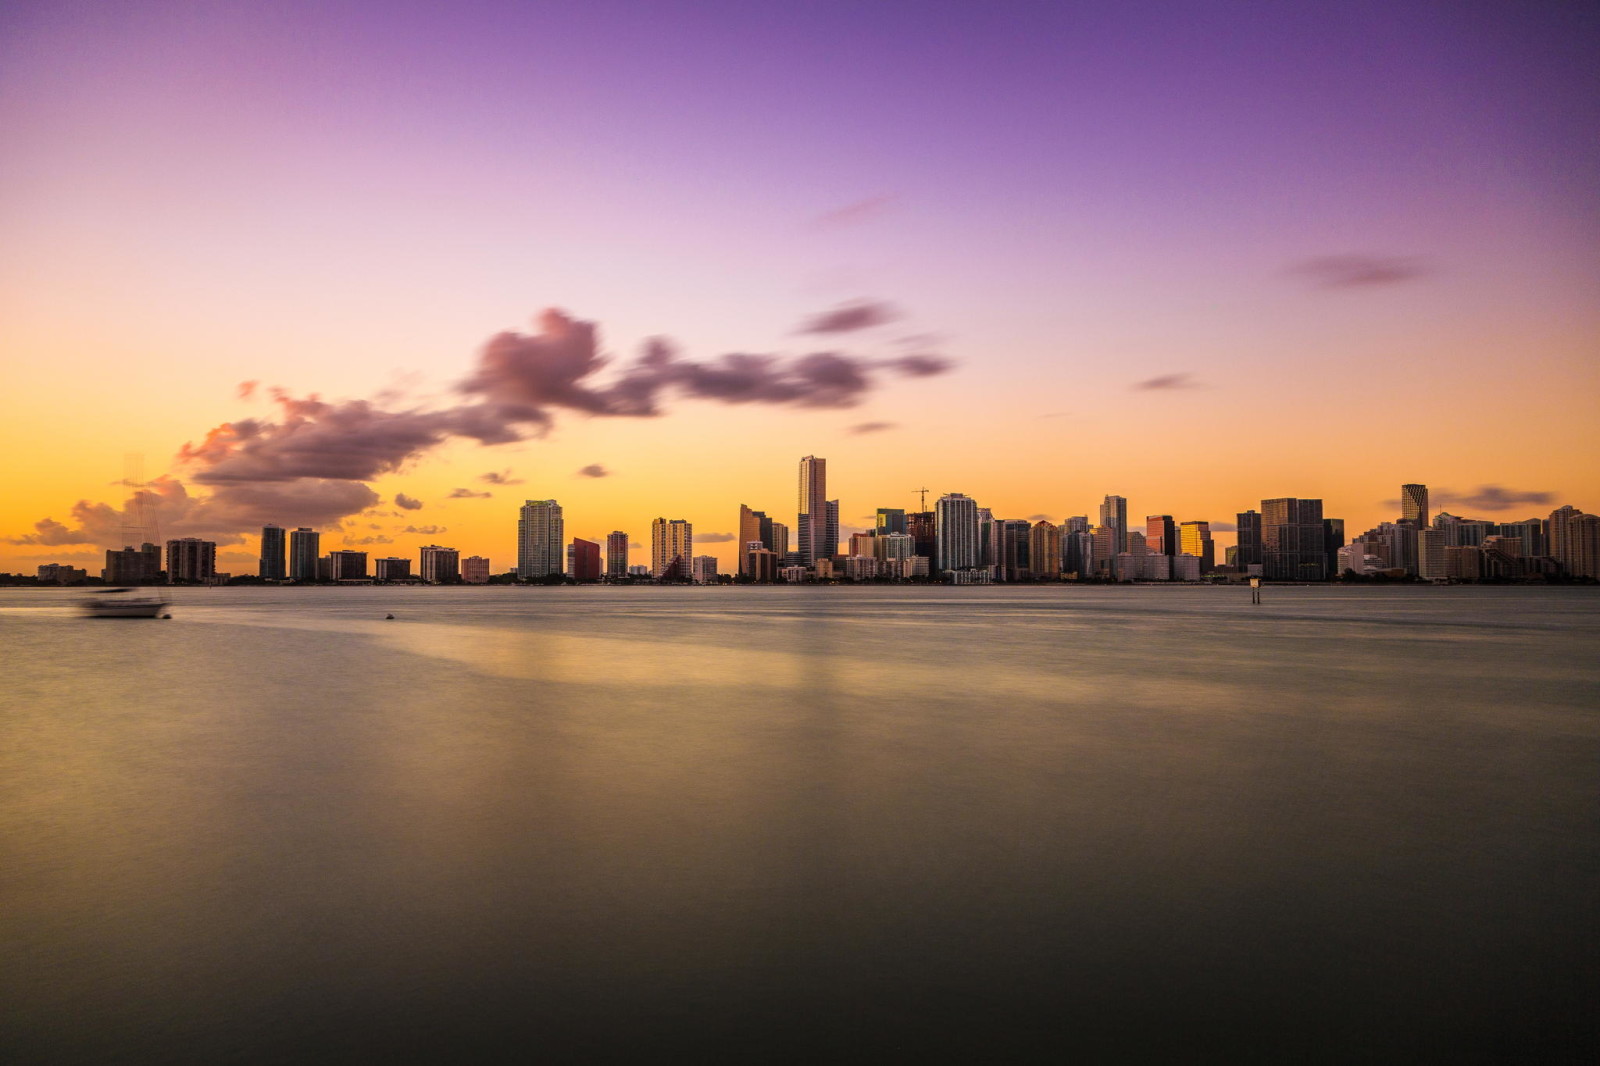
955 519
541 539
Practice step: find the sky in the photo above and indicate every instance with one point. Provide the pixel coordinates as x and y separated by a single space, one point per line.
392 269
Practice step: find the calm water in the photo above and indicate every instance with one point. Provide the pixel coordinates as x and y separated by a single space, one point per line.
801 824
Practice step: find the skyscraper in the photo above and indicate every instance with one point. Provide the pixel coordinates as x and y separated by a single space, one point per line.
347 565
750 532
671 549
1044 550
440 566
1194 538
1160 536
305 547
541 537
1248 553
274 554
812 524
1414 504
475 570
1291 540
191 561
583 560
956 531
1012 549
1114 516
616 555
890 520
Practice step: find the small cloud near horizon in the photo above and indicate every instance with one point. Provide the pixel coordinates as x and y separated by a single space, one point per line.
849 317
853 214
1485 498
1357 270
502 477
426 531
1167 382
594 470
713 538
376 538
871 427
468 494
1224 527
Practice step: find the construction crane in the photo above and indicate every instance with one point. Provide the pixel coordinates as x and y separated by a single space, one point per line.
924 493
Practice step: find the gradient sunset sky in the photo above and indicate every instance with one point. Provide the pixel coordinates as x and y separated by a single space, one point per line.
1195 254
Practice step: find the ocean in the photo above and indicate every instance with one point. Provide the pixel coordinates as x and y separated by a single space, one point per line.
803 824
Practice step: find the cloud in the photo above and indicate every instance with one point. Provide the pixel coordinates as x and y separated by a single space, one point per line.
870 427
635 546
850 317
713 538
407 503
49 531
468 494
426 531
1039 518
1168 381
1487 498
247 389
1224 527
594 470
501 478
854 214
1358 270
375 539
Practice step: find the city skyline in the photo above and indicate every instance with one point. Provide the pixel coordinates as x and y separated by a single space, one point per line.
1036 254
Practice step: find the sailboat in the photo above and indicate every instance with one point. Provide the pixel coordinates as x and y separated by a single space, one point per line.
128 602
125 603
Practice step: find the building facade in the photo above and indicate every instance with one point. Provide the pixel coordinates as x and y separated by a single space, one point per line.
440 566
274 554
956 532
541 540
671 549
305 548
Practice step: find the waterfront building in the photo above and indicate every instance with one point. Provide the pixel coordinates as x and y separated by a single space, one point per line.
793 575
305 548
1161 535
812 522
1332 541
861 568
753 526
1185 567
1414 504
894 546
1575 541
1248 525
1291 540
347 565
1462 563
191 561
391 568
1431 559
541 538
616 555
274 554
1105 550
1114 516
1013 559
1077 552
583 560
61 574
863 544
780 540
760 563
671 549
890 520
956 532
1532 534
638 570
440 566
1194 538
924 529
704 569
475 570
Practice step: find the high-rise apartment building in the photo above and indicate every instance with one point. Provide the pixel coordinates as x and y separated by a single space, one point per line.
1575 541
274 554
1431 557
133 566
1194 538
890 520
1291 540
475 570
1013 544
391 568
671 549
347 565
305 548
812 523
1044 550
956 532
924 529
616 555
583 560
755 526
704 570
1114 516
1161 535
440 566
541 537
191 561
1248 552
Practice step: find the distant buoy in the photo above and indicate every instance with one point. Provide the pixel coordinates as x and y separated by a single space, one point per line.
388 618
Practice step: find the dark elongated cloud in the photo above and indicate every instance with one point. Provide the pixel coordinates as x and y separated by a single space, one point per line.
713 538
468 494
426 531
500 478
1358 270
377 538
870 427
407 503
1224 527
1486 498
847 318
1168 381
594 470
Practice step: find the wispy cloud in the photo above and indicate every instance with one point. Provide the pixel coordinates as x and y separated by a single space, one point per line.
1486 498
426 531
853 214
502 477
1224 527
468 494
850 317
376 538
594 470
1357 270
713 538
1168 382
870 427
